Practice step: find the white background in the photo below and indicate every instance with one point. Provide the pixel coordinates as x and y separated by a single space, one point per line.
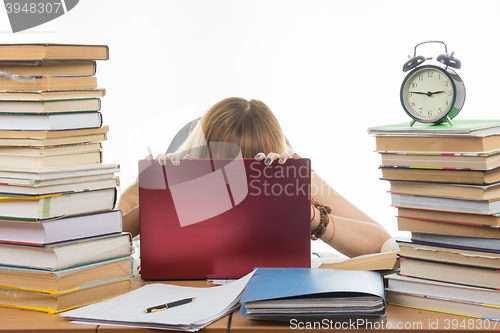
328 70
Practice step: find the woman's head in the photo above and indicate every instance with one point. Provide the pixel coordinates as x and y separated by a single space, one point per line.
250 125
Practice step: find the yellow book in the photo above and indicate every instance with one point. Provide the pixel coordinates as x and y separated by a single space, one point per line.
67 280
35 301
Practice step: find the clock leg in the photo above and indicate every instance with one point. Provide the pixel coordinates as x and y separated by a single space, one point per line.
413 122
449 120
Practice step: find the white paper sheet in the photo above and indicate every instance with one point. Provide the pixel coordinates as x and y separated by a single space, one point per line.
128 309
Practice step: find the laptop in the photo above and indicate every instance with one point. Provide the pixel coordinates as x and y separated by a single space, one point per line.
221 218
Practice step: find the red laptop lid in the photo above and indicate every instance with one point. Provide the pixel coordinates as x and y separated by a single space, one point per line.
222 218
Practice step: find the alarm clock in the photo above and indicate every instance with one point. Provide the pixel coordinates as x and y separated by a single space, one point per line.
432 93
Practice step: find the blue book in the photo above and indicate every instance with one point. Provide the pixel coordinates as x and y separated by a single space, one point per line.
294 292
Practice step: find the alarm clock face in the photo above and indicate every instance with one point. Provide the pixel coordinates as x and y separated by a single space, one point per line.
428 93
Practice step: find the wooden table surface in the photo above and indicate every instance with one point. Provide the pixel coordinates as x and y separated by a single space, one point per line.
25 321
398 319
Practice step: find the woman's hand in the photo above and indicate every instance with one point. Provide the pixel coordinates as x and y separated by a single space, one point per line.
162 159
271 157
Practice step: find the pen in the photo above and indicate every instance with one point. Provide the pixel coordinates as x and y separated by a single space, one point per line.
169 305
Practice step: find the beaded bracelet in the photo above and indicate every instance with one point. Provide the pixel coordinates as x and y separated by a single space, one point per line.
323 222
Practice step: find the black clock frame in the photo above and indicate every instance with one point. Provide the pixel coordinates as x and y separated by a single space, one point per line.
458 96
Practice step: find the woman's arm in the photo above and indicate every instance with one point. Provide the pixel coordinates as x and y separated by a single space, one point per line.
129 205
129 200
350 231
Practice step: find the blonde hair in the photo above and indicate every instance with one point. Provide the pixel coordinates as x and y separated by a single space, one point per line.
250 125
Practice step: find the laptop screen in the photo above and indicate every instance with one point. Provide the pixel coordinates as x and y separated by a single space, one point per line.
220 218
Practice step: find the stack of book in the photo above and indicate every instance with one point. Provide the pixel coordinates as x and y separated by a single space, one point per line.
61 242
445 183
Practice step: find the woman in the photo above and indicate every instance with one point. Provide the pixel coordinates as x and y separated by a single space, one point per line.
253 127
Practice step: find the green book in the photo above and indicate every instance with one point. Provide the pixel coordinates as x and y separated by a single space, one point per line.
459 127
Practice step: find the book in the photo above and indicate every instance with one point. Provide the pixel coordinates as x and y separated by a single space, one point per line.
57 141
51 161
438 144
457 242
476 276
53 141
444 228
471 136
448 254
309 292
56 205
449 190
50 150
449 217
54 68
316 306
65 280
42 52
72 187
367 262
459 161
460 127
27 300
446 204
52 134
450 305
442 176
405 284
46 176
44 184
50 105
62 255
41 95
50 83
55 230
50 121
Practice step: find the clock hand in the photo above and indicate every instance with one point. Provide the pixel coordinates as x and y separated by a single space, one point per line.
429 93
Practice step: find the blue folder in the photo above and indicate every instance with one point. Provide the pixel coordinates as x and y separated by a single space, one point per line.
278 283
